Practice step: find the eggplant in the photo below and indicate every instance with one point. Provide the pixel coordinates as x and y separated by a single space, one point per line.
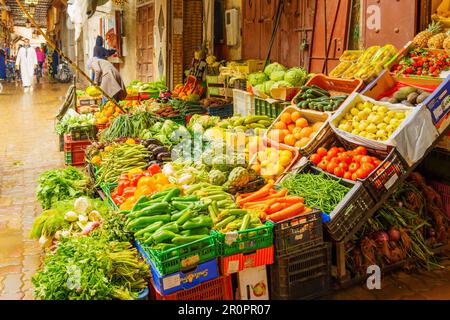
160 149
152 157
164 156
153 141
152 147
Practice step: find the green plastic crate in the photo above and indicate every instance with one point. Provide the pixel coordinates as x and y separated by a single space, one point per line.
184 256
271 109
107 190
247 240
68 158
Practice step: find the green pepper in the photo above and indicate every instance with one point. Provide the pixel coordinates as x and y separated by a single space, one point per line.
141 200
171 226
224 203
195 232
184 217
149 229
195 187
197 222
163 236
176 215
172 193
142 222
180 240
161 194
154 209
225 221
187 198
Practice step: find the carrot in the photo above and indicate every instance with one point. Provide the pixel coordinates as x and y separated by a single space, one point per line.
287 213
276 207
307 210
278 194
264 191
245 195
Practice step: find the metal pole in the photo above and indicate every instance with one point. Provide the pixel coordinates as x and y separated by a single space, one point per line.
74 65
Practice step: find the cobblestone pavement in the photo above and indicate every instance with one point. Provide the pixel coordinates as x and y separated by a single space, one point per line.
28 146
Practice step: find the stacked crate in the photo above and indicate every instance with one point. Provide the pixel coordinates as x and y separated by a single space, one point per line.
302 264
75 151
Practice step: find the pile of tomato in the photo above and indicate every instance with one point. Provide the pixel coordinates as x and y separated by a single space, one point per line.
423 63
351 165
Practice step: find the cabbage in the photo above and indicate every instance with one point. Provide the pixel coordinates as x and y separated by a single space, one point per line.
257 78
296 76
281 84
268 85
277 75
273 67
260 87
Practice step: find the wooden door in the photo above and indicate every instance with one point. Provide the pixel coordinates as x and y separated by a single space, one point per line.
145 22
160 37
251 29
268 9
331 27
382 23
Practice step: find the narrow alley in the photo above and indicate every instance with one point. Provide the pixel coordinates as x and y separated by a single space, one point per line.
28 147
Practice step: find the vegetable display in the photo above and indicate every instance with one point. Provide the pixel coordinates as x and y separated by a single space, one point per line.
61 184
73 121
316 98
130 126
408 96
422 62
318 190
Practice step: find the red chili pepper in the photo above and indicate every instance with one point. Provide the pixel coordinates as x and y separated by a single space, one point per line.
118 200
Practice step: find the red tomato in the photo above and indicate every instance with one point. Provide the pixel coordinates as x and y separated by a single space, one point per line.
331 166
335 160
348 175
323 164
341 149
357 158
322 152
332 152
367 159
343 165
361 150
368 167
338 171
361 174
354 176
353 167
328 158
315 158
346 158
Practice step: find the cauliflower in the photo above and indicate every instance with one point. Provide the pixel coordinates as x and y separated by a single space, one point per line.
239 177
216 177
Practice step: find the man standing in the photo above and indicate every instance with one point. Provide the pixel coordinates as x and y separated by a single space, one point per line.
27 62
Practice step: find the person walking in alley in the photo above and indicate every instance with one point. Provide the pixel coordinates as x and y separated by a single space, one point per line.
27 62
100 51
108 78
41 59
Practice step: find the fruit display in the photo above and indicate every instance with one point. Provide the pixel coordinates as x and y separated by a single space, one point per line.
107 113
351 55
422 39
192 90
348 164
368 66
370 120
270 162
408 96
422 62
293 129
316 98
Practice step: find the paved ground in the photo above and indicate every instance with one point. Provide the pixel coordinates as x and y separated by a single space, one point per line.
28 146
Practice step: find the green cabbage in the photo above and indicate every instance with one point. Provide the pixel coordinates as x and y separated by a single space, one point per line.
260 87
277 75
296 76
273 67
268 85
282 84
257 78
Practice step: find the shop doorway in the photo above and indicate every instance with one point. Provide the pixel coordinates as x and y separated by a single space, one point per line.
145 17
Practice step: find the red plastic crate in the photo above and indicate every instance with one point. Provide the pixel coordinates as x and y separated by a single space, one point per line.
102 126
444 190
218 289
76 150
240 261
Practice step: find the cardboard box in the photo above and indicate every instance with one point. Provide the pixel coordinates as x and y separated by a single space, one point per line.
253 284
88 101
439 104
284 94
184 279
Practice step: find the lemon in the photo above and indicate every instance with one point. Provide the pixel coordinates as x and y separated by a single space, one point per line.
389 128
367 111
371 128
348 116
377 119
382 126
360 106
400 115
381 133
363 133
368 104
284 161
286 153
387 119
391 114
363 125
371 136
362 115
394 122
354 111
355 132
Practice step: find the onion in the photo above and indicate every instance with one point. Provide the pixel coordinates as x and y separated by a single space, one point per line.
379 236
394 234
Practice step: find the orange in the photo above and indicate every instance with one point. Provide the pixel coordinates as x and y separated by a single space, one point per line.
291 127
306 132
303 142
316 126
276 135
286 118
298 144
295 115
301 123
297 136
279 125
289 140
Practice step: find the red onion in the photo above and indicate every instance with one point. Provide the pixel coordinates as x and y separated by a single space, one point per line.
394 234
379 236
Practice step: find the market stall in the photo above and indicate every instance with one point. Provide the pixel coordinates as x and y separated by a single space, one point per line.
302 182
